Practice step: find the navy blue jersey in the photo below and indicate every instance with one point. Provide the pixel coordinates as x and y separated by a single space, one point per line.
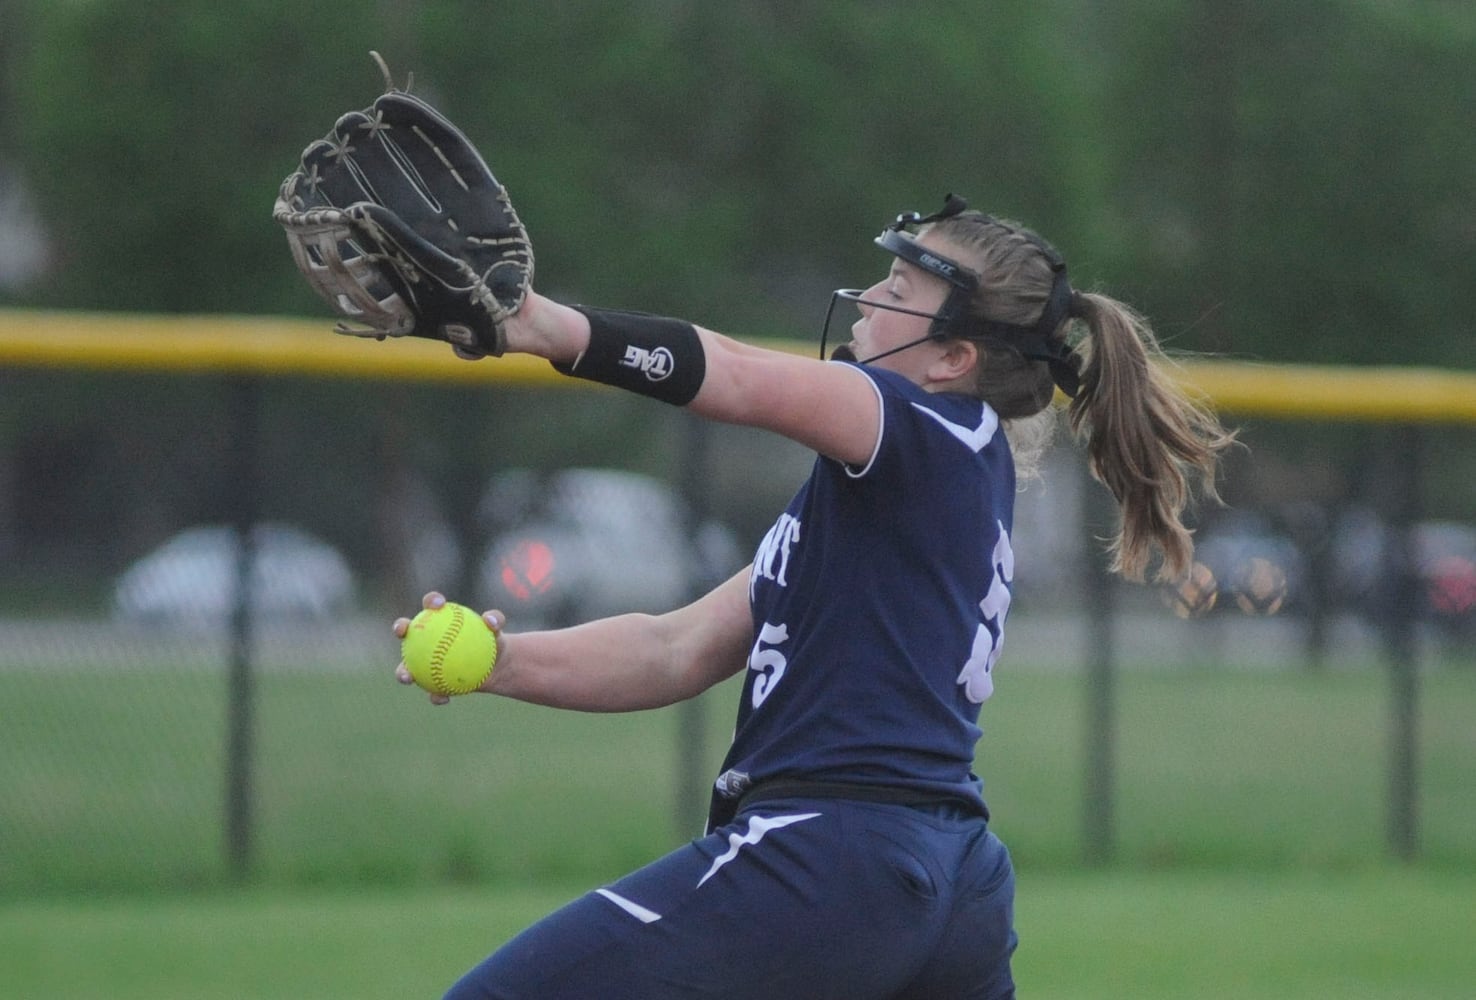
879 599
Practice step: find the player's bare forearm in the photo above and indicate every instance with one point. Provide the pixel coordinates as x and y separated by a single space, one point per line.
547 329
830 408
630 662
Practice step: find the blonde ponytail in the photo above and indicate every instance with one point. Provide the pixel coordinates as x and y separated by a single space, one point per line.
1147 441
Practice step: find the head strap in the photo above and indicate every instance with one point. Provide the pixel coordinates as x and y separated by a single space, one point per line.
955 318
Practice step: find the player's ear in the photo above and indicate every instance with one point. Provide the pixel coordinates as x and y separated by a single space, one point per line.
959 358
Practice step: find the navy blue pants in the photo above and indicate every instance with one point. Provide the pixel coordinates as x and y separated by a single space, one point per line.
796 898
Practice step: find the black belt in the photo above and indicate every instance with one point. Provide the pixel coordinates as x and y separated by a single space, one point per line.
799 788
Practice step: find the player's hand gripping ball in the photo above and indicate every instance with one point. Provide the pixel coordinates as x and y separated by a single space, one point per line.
449 650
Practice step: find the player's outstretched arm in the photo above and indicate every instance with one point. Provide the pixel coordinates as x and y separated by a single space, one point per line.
830 408
397 221
624 663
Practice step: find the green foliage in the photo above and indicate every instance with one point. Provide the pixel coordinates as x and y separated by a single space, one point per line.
149 133
1284 181
1288 182
1292 178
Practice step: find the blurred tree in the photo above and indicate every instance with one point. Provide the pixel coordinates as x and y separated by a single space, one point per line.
1293 182
154 136
1290 182
730 163
1273 180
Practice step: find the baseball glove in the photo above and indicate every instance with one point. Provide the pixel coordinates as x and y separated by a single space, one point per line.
397 222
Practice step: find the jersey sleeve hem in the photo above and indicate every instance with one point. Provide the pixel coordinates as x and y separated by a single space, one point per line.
859 471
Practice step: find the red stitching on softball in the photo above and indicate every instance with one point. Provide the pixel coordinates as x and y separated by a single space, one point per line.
442 647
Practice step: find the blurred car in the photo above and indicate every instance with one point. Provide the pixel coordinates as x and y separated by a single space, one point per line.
193 576
1445 555
1254 567
1259 565
1444 561
577 544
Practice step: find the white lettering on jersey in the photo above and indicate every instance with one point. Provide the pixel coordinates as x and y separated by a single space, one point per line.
975 437
977 676
772 558
768 662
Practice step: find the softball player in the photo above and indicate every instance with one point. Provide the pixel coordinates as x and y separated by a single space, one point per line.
848 852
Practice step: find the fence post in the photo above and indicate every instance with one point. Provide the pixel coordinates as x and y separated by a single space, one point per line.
1100 773
244 403
1401 610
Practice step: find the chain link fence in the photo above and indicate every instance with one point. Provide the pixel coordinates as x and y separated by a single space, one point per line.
199 563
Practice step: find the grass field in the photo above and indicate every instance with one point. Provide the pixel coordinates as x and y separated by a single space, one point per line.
113 781
1379 934
1250 823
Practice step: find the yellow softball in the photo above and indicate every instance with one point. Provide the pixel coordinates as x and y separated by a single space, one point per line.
449 650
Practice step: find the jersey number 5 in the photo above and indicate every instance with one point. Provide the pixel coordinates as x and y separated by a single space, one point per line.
977 676
767 661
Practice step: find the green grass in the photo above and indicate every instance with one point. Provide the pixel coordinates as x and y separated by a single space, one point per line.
112 780
1248 767
1380 934
397 843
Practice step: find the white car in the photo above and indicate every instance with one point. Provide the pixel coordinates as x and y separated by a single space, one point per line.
578 544
193 576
